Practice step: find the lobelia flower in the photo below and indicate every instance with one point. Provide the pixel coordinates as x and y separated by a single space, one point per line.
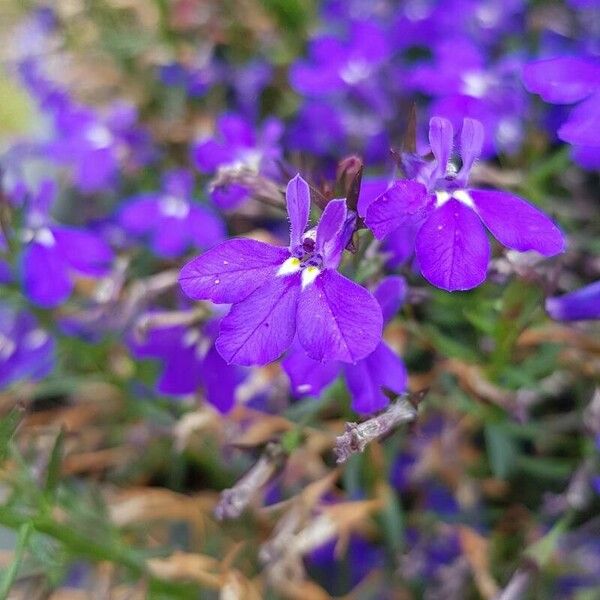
170 218
93 146
345 76
451 244
580 305
464 84
572 80
236 155
383 368
280 292
53 252
26 350
191 362
339 65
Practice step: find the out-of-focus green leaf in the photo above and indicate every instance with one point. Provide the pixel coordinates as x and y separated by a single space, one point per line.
8 426
501 449
12 570
54 465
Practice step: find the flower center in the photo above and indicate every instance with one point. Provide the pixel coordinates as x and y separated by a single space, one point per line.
99 136
173 206
304 259
463 196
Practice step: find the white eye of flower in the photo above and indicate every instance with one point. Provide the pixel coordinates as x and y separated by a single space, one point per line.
251 159
7 347
355 71
35 339
99 136
173 206
44 237
475 83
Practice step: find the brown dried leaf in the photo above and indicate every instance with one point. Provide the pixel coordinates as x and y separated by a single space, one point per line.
475 548
183 566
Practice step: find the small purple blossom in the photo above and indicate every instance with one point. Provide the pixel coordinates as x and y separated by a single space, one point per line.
278 293
190 363
26 350
53 252
582 304
235 155
451 245
336 65
366 379
572 80
171 219
464 84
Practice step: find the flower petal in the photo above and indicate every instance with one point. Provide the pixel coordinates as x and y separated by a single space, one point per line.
307 376
404 202
579 305
338 319
220 380
297 197
516 223
209 154
232 270
562 80
45 275
330 225
471 144
583 124
441 139
139 215
390 293
207 228
181 373
84 251
259 329
381 369
452 248
171 237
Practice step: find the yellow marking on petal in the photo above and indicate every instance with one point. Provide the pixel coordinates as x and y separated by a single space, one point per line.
309 275
291 265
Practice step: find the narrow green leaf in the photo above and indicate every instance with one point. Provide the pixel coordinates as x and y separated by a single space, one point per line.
501 450
54 465
11 572
8 426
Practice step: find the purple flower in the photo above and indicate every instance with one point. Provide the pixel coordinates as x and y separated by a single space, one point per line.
465 85
579 305
237 155
451 244
94 146
365 379
26 351
53 252
336 64
171 219
572 80
190 363
279 292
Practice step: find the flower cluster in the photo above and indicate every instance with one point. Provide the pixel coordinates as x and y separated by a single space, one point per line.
247 225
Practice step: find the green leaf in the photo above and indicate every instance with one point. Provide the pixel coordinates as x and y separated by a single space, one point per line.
392 520
501 449
54 465
8 426
11 572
